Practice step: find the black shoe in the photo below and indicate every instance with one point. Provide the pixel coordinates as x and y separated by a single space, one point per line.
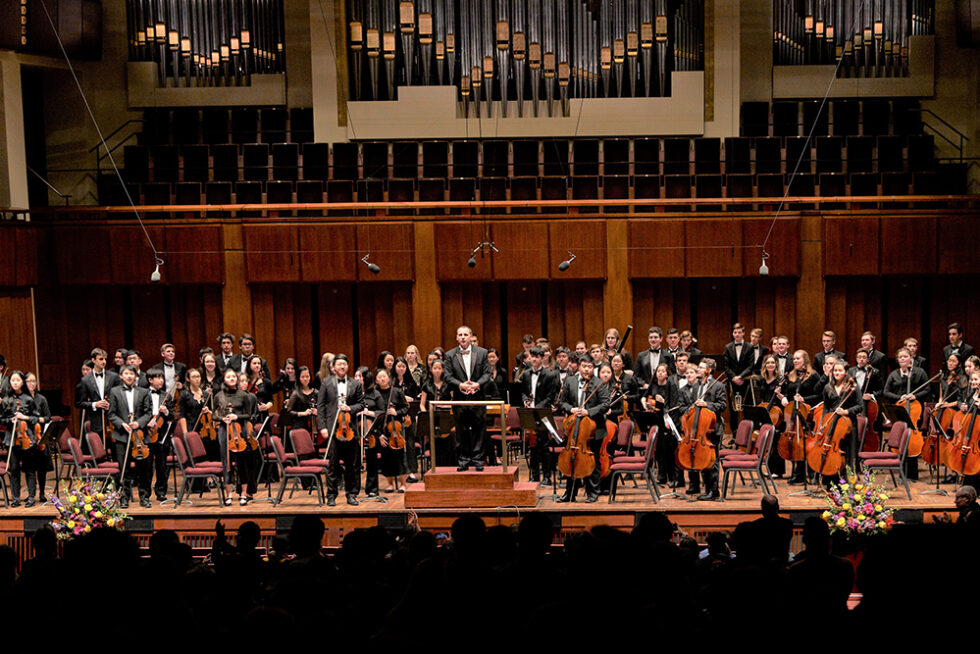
331 501
145 503
693 490
161 498
373 494
478 467
564 498
462 467
352 500
795 481
662 481
546 483
411 479
123 503
30 502
709 496
951 479
14 502
592 498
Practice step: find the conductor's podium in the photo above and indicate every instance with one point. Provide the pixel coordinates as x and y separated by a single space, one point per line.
447 488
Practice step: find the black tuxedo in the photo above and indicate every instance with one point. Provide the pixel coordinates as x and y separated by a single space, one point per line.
872 383
787 366
821 356
546 388
738 365
595 396
647 362
962 350
878 360
88 394
713 394
161 449
180 372
119 416
470 421
757 360
327 408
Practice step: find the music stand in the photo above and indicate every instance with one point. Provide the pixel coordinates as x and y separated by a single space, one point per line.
541 421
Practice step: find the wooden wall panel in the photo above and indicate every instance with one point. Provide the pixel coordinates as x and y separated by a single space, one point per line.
656 248
454 240
957 243
81 255
525 313
783 246
8 255
304 340
584 238
392 246
714 248
908 245
149 326
523 250
131 256
336 317
714 314
903 303
28 255
784 313
195 255
329 253
264 322
17 335
663 303
850 246
270 253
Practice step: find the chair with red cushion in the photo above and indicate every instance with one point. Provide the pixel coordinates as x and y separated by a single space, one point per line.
755 465
629 466
197 453
64 457
99 457
511 431
743 435
305 451
295 472
190 472
898 439
105 473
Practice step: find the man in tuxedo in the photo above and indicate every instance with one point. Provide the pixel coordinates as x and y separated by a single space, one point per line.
119 359
737 359
956 345
584 395
539 390
173 371
159 406
912 344
780 348
876 358
341 394
135 359
706 393
673 340
226 345
757 350
828 340
239 362
467 371
648 360
93 391
868 381
130 409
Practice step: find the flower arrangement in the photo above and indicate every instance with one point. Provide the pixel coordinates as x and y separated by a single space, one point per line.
83 509
857 505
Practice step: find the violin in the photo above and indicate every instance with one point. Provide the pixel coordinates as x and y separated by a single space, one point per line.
158 420
344 431
22 432
396 439
695 451
140 450
963 455
236 440
823 451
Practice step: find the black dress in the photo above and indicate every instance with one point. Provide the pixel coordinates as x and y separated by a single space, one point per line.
298 403
445 448
392 460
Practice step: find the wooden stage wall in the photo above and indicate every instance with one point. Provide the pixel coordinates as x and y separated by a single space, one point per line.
299 287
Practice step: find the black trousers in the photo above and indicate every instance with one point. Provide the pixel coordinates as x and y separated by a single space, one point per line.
34 464
139 471
666 456
539 456
159 452
247 463
372 464
707 478
471 430
350 453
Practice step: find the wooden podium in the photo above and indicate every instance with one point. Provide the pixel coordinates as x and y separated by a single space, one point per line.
450 489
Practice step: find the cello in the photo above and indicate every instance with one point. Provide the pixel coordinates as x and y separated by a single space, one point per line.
934 451
695 451
576 461
914 408
605 450
792 442
872 440
963 455
823 451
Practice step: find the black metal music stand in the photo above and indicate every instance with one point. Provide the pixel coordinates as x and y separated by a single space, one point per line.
538 420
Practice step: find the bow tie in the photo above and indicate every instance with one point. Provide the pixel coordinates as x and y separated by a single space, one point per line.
100 374
168 365
782 356
464 352
653 351
128 389
535 372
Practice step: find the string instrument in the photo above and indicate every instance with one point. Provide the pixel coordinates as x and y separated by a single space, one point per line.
775 412
396 439
823 451
23 434
140 450
367 428
872 440
695 451
236 439
963 455
157 421
792 442
914 408
576 460
606 449
934 453
618 389
205 421
344 431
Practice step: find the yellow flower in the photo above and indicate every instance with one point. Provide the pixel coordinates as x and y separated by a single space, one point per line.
826 514
98 514
73 499
71 524
858 486
846 506
88 528
88 507
844 487
100 496
841 522
882 524
110 522
88 498
883 496
877 507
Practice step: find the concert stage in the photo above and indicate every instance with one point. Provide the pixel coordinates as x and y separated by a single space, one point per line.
195 522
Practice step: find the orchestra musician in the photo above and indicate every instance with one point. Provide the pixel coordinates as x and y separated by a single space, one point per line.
611 340
130 409
971 398
226 345
673 342
133 358
211 372
876 358
195 400
624 381
707 393
903 385
737 360
956 345
392 408
828 340
285 383
780 348
767 393
162 404
300 408
688 344
246 347
467 372
759 351
648 360
844 402
539 390
119 359
258 384
94 391
173 370
415 368
339 395
912 344
17 406
802 385
584 395
661 398
43 410
435 388
233 404
403 379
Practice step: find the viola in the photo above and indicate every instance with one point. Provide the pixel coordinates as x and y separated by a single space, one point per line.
396 439
792 442
823 451
695 451
963 455
140 450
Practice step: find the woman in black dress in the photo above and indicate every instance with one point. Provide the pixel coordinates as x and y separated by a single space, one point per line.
232 404
662 398
286 381
210 375
259 386
436 388
369 429
766 393
394 409
42 459
17 405
195 400
300 408
839 397
802 385
403 379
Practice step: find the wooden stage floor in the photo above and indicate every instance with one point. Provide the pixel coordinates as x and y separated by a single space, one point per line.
196 521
